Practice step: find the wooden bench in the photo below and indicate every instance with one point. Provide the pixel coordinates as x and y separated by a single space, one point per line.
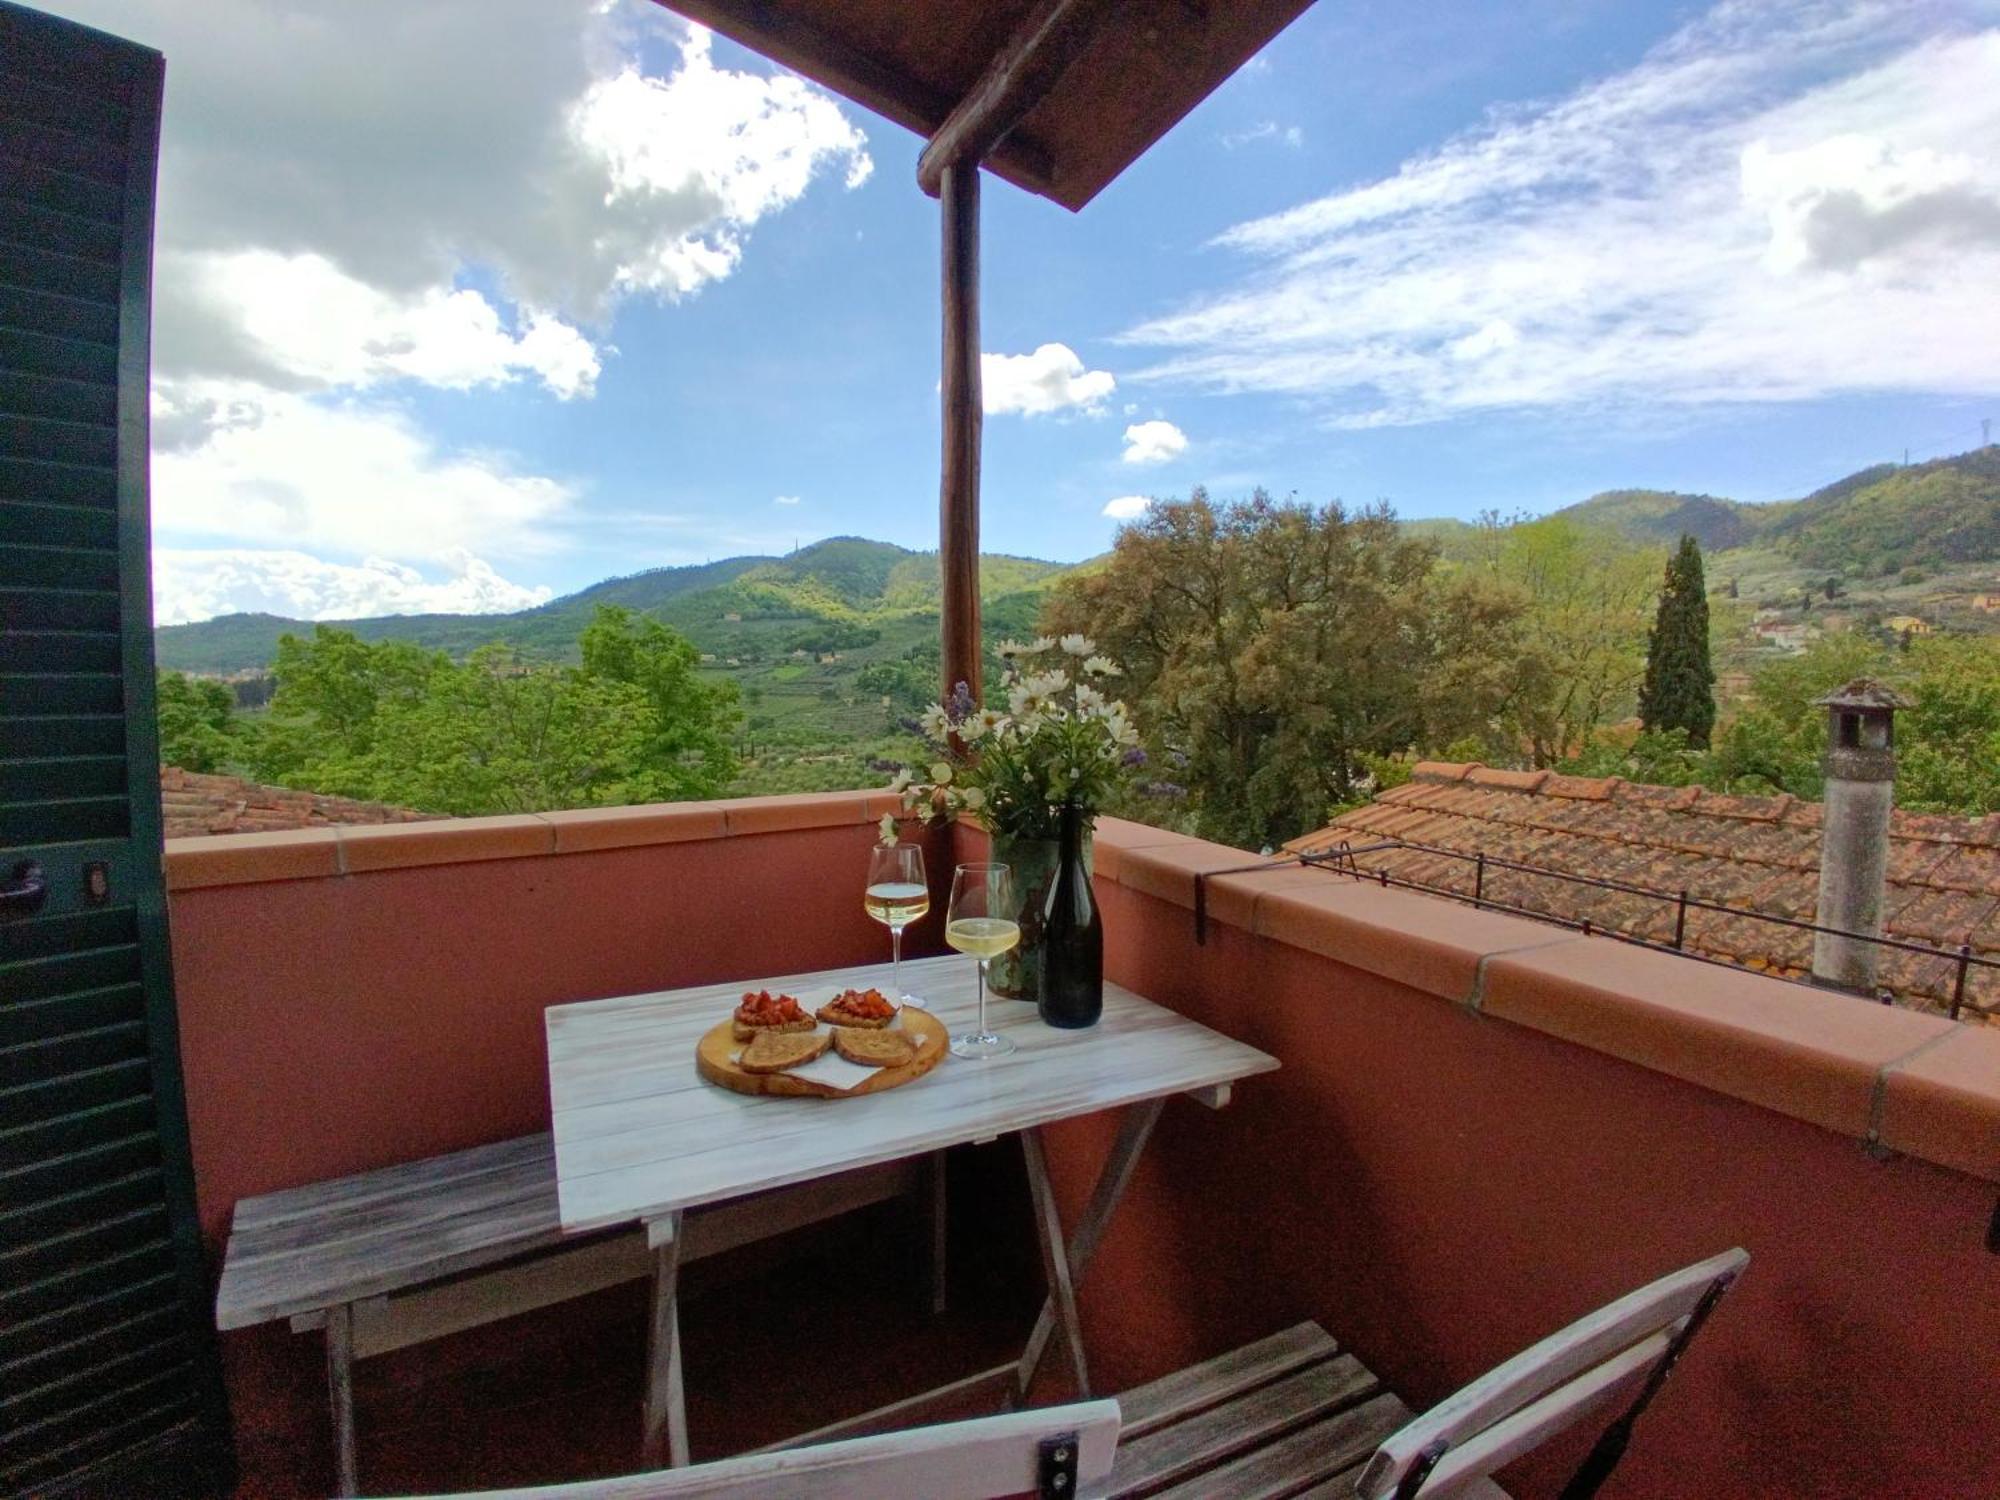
390 1258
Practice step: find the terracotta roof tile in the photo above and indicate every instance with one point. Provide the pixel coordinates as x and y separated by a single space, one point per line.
1760 853
193 804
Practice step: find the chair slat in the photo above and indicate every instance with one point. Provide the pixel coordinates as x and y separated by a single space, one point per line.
1214 1381
1324 1450
1198 1442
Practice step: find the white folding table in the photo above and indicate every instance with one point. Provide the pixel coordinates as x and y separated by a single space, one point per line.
641 1138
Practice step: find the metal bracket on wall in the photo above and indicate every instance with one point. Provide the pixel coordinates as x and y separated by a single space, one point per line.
1055 1473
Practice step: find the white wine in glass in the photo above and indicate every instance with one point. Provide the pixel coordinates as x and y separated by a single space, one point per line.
981 924
897 895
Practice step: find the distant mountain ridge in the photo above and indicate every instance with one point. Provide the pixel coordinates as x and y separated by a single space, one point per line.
1937 514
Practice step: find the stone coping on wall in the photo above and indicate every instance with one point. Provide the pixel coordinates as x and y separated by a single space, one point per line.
1894 1080
314 853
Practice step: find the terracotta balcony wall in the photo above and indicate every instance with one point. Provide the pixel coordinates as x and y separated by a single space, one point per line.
1482 1126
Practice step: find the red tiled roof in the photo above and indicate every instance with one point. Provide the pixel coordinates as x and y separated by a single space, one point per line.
193 803
1756 852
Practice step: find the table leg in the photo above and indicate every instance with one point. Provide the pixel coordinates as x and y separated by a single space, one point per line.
939 1231
666 1399
1133 1132
1055 1258
340 1394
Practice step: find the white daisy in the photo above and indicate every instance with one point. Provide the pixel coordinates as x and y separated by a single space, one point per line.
1077 645
888 827
1102 666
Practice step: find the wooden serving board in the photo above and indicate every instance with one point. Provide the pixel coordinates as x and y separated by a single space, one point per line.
714 1058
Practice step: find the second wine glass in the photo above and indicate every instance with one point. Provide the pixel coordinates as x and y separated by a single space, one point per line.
982 923
897 895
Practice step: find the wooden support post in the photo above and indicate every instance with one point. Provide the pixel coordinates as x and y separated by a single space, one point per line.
958 490
340 1394
940 1232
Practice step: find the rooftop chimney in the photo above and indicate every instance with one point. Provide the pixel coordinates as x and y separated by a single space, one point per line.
1854 837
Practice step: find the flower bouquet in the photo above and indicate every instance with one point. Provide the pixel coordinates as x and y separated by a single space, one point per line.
1062 742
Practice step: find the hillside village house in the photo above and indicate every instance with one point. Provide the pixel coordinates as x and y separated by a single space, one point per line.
324 1061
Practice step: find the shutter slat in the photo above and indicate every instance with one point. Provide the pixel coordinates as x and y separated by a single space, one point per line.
84 1316
40 185
98 1163
64 400
29 1062
25 1147
48 1098
36 1224
38 1020
45 976
65 820
54 144
58 525
105 1443
30 352
39 735
28 98
150 1323
32 1276
57 567
69 776
42 270
65 317
59 651
128 1395
110 927
51 229
91 443
93 610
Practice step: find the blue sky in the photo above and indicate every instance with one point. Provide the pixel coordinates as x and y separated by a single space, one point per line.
624 296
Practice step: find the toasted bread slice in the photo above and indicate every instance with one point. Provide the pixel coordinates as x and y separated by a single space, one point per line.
774 1051
874 1049
743 1031
835 1014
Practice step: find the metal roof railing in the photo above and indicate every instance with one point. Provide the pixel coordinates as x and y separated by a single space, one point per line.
1343 859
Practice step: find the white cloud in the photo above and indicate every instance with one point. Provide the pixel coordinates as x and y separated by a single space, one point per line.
1051 379
1264 130
242 464
1127 507
200 584
1154 442
784 499
374 153
1786 199
300 321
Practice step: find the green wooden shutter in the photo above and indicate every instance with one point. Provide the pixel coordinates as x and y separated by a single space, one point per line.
109 1381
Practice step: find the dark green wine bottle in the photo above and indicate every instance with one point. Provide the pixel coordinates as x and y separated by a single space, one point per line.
1072 991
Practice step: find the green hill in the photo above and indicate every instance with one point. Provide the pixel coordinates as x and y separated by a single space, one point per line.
846 581
1651 517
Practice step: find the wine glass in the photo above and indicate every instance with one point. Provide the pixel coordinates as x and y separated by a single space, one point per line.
981 922
897 895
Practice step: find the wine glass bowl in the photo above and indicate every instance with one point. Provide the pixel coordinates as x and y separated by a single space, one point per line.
897 895
982 923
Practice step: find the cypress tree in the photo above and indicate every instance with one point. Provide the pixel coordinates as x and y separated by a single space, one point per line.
1679 690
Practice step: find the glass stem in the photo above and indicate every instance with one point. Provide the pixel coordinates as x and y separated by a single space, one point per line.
896 958
982 999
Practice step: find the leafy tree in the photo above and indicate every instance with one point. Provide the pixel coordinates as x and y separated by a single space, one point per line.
1584 630
1271 648
1679 687
687 750
390 722
199 730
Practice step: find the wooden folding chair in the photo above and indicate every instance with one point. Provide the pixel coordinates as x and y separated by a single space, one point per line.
1623 1351
1054 1453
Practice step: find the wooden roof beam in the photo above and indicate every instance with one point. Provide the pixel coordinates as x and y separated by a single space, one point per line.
1052 36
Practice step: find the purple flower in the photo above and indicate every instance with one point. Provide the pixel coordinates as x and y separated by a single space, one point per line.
884 766
912 726
1178 758
1167 790
959 706
1133 757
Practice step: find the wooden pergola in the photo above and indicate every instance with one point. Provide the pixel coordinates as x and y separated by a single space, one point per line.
1055 96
